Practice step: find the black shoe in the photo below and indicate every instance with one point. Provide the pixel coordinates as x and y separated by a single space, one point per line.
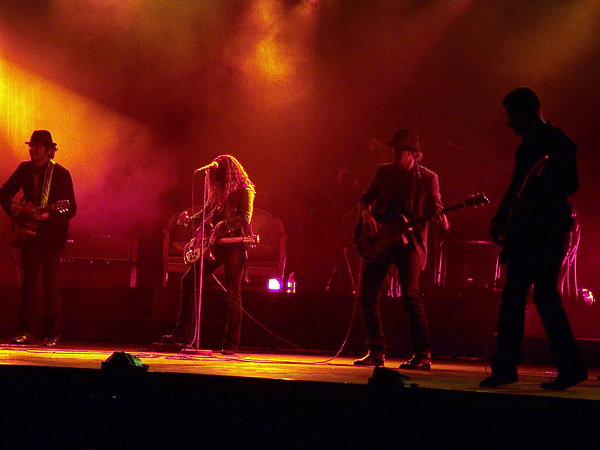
170 339
562 382
418 362
22 339
51 341
227 352
497 380
371 359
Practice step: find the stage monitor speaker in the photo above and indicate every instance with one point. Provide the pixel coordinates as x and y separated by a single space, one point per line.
121 362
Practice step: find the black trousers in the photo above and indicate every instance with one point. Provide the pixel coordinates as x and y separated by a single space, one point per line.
33 257
408 263
535 261
232 258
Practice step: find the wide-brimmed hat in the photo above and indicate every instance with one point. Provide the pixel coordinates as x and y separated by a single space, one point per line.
407 138
42 137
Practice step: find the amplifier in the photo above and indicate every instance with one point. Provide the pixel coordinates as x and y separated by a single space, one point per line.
99 261
100 248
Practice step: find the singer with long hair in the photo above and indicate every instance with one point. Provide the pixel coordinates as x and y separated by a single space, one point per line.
229 205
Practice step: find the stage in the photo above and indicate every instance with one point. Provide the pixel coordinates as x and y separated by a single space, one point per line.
65 398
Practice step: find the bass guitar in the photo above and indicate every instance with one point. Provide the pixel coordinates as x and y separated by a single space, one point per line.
394 232
504 242
191 251
18 229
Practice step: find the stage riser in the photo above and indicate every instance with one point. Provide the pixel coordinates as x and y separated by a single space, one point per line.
460 323
86 408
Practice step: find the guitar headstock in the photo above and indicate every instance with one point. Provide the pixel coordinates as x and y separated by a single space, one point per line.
476 200
62 206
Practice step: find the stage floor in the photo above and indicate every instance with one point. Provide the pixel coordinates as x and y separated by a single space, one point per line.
62 398
446 373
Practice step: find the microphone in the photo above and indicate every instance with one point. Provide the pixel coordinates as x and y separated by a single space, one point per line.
214 164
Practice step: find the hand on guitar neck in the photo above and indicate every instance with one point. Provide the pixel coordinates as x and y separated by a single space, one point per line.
23 212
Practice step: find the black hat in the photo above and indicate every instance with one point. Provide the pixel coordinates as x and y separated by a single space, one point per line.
42 137
407 138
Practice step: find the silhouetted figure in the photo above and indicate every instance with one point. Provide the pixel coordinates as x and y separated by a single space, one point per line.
41 223
532 225
230 202
407 188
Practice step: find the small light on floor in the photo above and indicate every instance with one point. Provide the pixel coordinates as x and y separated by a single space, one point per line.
290 285
274 285
588 296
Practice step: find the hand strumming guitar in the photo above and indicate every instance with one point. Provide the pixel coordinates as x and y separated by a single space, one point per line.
369 223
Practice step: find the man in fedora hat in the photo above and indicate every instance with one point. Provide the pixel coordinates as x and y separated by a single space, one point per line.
406 188
43 214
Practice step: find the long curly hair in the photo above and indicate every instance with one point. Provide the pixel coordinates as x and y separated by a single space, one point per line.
226 182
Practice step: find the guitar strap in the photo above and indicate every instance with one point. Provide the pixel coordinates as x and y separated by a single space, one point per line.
47 182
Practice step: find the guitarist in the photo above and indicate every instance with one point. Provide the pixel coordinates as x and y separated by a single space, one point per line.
230 202
401 187
532 225
43 182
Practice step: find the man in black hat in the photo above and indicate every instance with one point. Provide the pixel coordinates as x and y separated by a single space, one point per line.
40 226
401 188
533 224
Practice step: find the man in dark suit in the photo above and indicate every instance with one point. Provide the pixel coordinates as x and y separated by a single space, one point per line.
533 224
45 185
407 188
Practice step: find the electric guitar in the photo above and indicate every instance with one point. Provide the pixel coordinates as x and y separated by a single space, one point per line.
394 232
18 229
191 251
504 242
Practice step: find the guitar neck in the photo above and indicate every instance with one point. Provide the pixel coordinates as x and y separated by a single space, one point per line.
235 240
444 211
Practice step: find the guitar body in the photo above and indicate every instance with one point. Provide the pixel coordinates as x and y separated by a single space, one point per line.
17 230
16 233
391 233
394 232
191 251
504 246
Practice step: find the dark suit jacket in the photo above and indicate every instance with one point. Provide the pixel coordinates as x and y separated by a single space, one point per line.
424 199
543 206
51 233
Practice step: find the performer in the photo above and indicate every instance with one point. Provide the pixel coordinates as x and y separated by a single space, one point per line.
532 224
47 205
230 204
401 187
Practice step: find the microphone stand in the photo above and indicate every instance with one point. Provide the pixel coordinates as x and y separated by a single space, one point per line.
195 350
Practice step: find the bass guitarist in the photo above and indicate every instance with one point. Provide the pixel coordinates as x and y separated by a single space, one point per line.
230 202
533 224
43 183
401 187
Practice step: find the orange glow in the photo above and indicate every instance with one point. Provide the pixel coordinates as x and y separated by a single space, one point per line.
541 55
275 52
271 60
111 157
90 15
